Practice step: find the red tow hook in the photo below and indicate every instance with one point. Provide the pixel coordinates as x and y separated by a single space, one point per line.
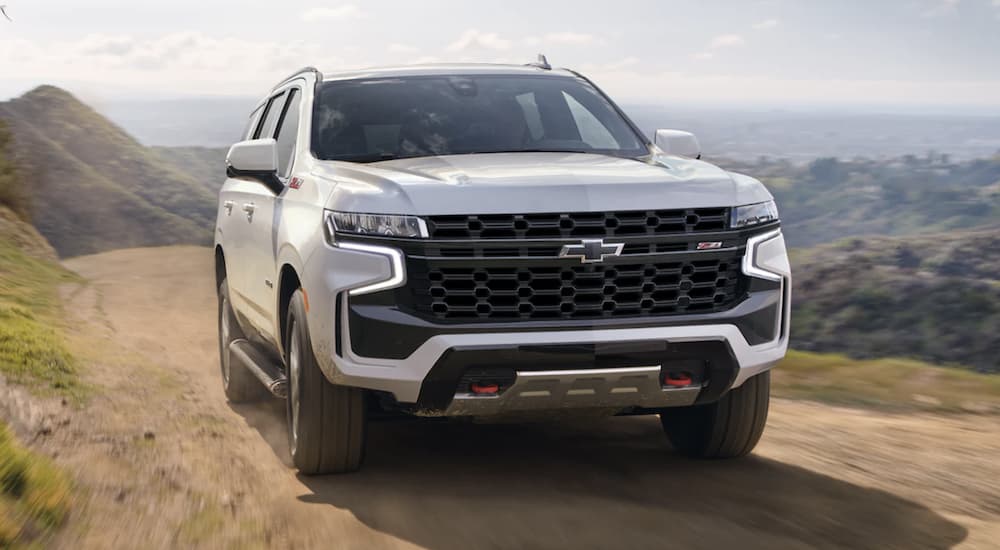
479 388
677 379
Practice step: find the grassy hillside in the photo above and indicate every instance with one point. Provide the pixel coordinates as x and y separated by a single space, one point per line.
934 297
830 199
205 165
889 383
34 494
31 349
91 187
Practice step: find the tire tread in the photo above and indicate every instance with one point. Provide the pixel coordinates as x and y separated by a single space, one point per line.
729 428
332 419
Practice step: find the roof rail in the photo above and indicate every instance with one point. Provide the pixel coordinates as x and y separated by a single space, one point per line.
542 63
310 69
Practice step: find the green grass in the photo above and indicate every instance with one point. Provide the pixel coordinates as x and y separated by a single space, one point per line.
896 384
32 352
34 494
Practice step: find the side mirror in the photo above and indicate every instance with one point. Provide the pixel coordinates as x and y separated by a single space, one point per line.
256 159
678 143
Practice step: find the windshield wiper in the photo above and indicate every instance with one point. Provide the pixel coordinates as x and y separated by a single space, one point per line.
379 157
498 151
364 158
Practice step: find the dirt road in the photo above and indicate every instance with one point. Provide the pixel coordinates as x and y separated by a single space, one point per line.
162 461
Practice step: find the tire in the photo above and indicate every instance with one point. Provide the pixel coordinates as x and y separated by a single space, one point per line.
327 424
728 428
240 385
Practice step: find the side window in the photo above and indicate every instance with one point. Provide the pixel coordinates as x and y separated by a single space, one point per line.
592 131
271 115
287 132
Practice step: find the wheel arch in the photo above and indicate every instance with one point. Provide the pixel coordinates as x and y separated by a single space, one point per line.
220 266
288 282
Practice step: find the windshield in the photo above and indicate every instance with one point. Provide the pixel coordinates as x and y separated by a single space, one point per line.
387 118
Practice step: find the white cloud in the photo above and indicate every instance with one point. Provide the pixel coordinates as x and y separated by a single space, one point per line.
396 47
424 60
615 66
111 45
178 62
567 37
703 56
941 8
345 11
473 39
727 40
629 61
765 24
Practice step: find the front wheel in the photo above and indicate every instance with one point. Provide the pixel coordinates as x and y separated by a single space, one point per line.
326 423
728 428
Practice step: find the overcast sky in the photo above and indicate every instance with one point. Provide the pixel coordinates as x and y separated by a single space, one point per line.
883 52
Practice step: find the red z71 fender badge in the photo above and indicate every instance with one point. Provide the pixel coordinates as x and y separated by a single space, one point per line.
295 183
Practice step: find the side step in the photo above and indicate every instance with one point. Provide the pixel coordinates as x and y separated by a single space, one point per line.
269 374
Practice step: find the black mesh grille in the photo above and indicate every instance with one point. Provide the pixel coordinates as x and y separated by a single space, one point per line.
576 291
583 224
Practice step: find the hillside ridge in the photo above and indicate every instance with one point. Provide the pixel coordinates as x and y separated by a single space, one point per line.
92 187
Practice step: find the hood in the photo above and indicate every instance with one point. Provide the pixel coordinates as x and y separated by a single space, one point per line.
532 182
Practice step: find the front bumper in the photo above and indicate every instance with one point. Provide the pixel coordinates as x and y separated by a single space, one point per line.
560 365
610 389
605 375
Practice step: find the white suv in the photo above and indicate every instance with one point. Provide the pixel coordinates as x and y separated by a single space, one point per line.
474 240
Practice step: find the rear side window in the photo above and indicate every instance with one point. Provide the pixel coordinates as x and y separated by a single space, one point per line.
288 132
271 115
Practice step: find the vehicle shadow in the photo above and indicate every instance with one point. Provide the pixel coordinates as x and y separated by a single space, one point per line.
600 483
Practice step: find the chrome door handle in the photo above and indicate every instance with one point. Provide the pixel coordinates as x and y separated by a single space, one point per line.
249 208
228 205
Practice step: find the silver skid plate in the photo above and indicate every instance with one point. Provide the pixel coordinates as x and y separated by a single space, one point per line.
584 388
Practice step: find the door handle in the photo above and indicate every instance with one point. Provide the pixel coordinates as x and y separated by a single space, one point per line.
249 208
228 205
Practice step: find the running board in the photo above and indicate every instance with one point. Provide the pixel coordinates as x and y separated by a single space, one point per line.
269 374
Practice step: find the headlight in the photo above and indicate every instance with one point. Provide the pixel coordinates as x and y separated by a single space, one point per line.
386 225
754 214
